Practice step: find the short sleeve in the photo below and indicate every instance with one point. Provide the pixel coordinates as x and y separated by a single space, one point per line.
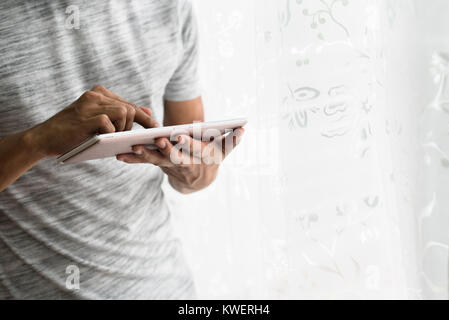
184 83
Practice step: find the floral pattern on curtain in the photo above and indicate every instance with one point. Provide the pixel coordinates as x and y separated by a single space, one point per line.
332 193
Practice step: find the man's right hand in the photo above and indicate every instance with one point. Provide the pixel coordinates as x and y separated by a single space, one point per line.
96 111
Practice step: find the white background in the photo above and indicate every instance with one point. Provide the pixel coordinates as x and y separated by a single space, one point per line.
333 192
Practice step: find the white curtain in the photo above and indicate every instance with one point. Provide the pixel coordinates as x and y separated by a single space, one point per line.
339 188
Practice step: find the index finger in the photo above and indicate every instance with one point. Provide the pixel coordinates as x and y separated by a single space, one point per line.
144 119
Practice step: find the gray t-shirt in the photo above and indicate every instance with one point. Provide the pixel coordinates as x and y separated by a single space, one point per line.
107 219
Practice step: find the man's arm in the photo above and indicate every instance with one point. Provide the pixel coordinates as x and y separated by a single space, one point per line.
96 111
183 112
18 154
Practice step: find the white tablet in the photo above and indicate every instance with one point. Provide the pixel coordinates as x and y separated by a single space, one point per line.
112 144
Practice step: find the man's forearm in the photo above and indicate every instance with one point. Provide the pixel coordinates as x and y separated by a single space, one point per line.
184 112
18 154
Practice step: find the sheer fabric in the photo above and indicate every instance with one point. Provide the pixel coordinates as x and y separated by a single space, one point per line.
338 189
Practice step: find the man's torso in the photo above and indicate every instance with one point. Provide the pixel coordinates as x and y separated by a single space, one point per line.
106 218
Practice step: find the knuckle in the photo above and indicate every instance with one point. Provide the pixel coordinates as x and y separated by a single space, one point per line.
122 111
90 96
99 88
103 120
132 112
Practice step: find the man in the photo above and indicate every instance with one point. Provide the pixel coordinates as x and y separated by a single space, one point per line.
98 229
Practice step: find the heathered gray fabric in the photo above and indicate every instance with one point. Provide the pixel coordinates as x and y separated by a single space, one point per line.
107 218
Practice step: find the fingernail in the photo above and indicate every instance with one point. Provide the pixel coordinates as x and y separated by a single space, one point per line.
137 150
181 139
162 144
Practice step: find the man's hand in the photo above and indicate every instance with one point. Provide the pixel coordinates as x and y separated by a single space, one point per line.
96 111
191 165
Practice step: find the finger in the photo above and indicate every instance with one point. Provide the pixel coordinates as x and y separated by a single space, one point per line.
130 158
180 153
151 156
147 111
144 119
135 113
193 146
122 114
171 153
130 114
165 146
232 140
115 110
100 124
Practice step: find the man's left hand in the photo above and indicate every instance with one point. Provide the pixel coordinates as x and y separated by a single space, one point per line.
190 164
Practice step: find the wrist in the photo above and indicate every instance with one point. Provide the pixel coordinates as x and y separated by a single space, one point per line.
31 140
180 187
203 180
